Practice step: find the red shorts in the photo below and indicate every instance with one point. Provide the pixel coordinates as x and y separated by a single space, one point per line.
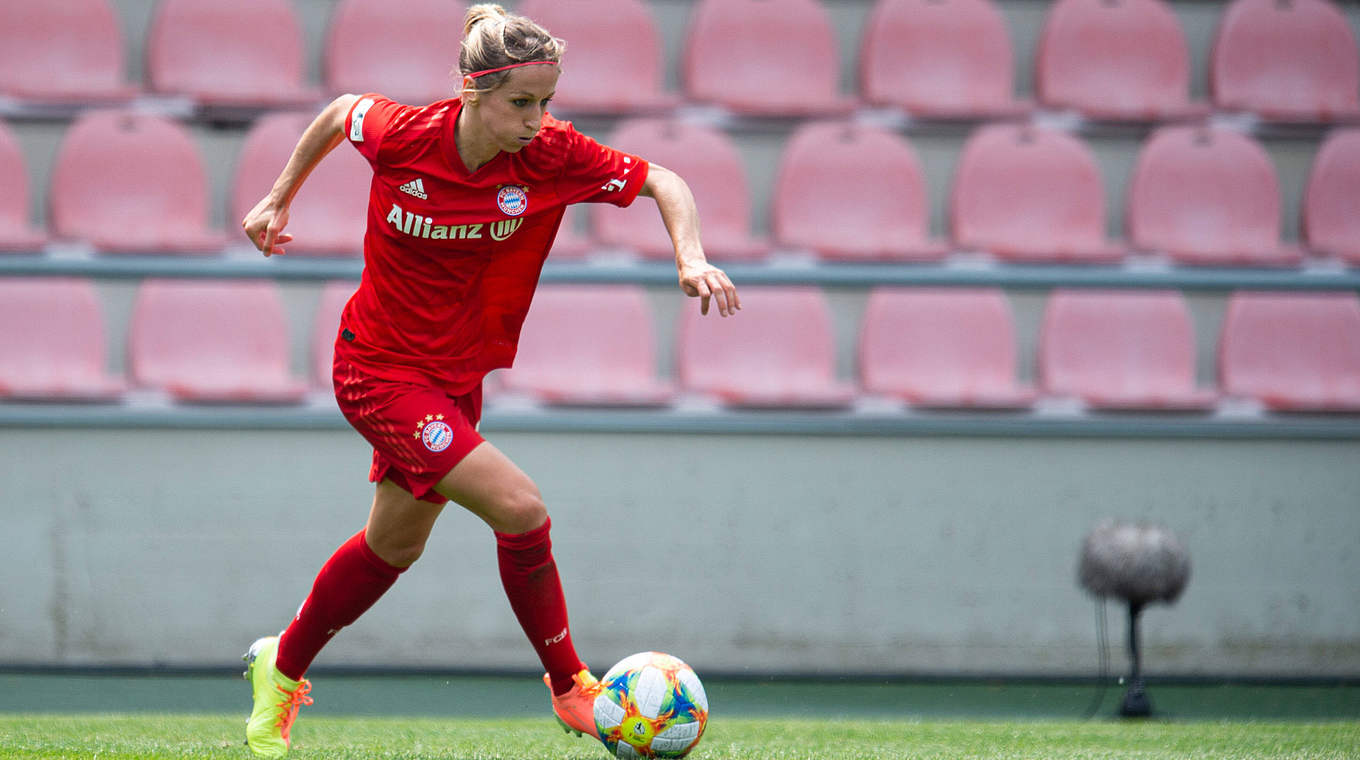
418 432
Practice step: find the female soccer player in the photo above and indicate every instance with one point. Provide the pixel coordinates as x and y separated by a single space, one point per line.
466 199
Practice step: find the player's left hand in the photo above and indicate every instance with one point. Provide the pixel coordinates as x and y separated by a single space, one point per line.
705 281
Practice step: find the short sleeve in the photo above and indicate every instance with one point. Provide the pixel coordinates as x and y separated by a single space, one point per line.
596 173
368 121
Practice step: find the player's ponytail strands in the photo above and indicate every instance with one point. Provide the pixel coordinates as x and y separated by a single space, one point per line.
495 41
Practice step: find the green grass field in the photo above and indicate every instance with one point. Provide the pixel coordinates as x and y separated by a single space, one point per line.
111 717
154 736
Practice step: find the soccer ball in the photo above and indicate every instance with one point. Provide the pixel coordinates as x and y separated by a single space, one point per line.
650 705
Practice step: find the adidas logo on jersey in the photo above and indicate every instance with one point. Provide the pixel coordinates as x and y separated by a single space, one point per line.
415 187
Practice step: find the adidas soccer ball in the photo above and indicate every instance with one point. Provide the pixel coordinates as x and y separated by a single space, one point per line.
650 705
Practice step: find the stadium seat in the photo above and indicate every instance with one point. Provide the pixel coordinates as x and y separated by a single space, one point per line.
1286 60
54 347
615 62
571 244
780 351
212 341
1331 200
16 234
764 58
852 193
588 345
1030 194
1207 196
939 59
242 53
713 168
409 55
1295 352
330 213
941 347
1121 350
325 325
1125 60
62 51
131 182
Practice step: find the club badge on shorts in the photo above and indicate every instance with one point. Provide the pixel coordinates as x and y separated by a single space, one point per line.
434 432
512 199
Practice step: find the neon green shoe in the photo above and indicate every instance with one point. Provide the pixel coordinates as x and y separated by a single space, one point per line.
277 700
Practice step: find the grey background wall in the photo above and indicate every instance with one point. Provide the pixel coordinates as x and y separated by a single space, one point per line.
898 554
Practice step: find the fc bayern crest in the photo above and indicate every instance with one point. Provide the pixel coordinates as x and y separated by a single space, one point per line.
436 436
512 199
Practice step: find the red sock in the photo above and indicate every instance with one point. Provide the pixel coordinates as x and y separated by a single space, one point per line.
535 591
348 584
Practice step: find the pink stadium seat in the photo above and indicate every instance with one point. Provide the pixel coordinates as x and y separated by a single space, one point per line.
1297 352
764 58
1286 60
779 351
16 234
1030 194
131 182
330 212
852 193
62 51
405 52
1125 60
242 53
1121 350
614 62
943 59
1331 201
212 341
54 345
571 244
710 164
589 345
941 348
325 326
1207 196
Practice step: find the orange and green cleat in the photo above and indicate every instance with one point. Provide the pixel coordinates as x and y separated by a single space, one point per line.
575 710
277 700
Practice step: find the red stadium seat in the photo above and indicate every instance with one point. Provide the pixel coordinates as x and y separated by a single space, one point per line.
131 182
330 213
1118 61
852 193
1030 194
1331 201
212 341
54 347
1207 196
588 345
405 52
946 348
325 326
615 62
1297 352
939 59
764 58
709 162
1121 350
242 53
780 351
1286 61
62 51
16 234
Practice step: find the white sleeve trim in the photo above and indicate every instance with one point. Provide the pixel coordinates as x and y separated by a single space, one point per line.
356 119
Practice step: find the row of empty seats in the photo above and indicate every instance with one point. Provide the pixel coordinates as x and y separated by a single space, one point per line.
127 182
1287 60
227 341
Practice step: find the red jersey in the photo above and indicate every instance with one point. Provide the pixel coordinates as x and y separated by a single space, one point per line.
452 257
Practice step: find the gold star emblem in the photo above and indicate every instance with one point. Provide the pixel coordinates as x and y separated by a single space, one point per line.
429 417
439 416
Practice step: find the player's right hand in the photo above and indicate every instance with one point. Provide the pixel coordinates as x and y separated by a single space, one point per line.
264 226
